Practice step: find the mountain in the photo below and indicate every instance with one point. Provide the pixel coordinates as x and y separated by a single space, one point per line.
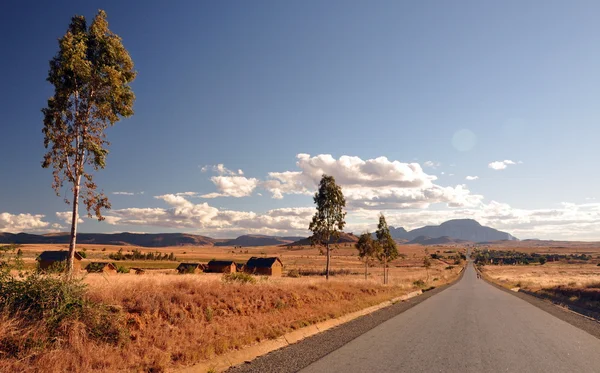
461 229
136 239
255 240
344 238
444 240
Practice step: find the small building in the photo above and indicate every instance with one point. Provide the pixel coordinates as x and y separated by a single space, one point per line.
101 267
47 259
271 266
184 268
222 266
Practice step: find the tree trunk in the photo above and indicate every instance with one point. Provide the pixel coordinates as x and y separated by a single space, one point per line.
384 265
73 241
328 260
366 268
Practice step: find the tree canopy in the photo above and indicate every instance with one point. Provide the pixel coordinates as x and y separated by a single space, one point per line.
388 250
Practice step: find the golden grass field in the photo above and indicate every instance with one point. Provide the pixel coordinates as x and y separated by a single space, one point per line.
177 320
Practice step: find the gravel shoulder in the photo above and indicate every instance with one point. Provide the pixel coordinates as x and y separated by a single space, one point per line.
299 355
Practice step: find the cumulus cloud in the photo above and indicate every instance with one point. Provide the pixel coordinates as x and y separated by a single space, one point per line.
15 223
67 216
232 186
472 177
123 193
370 184
501 165
182 213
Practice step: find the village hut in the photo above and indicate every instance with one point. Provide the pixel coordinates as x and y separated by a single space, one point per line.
271 266
184 268
48 259
101 267
222 266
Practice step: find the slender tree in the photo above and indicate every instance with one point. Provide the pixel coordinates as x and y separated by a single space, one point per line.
388 250
367 250
427 265
91 75
328 221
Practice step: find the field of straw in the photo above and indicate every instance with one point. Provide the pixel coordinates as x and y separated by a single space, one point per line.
173 320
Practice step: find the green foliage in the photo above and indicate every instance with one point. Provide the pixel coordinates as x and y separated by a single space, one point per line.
426 262
367 248
209 313
56 268
83 254
238 277
328 221
434 256
122 269
139 255
388 248
543 260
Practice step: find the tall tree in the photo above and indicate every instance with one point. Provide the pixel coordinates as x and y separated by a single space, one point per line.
328 221
388 250
367 249
91 75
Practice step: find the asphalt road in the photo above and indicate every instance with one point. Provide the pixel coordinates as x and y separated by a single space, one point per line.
469 327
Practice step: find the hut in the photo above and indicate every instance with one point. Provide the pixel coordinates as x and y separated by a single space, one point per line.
222 266
48 259
271 266
190 268
101 267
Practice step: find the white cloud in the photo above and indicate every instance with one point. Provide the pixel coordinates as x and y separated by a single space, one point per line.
232 186
221 170
123 193
501 165
183 214
15 223
472 177
370 184
67 216
432 164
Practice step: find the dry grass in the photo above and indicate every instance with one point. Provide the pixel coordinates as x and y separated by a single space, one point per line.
177 320
535 277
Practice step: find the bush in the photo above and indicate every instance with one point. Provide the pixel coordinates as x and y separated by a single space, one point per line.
239 277
122 269
55 304
419 283
594 285
449 267
293 273
543 260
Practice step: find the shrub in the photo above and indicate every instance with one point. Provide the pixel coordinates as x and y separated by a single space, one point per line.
449 267
543 260
593 285
122 269
293 273
419 283
240 277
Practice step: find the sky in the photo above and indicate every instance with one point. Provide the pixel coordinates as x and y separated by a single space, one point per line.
422 111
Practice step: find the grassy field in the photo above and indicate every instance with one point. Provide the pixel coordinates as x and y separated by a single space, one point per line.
163 320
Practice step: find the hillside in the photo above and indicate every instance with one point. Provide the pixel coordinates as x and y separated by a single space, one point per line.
136 239
444 240
460 229
344 238
255 240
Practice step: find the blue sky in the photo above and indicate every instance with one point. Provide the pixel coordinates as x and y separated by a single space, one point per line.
311 87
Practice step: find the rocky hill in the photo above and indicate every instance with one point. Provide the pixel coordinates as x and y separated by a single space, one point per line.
461 229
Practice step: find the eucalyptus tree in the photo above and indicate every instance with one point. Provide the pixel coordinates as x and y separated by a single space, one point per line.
328 221
387 246
367 249
91 74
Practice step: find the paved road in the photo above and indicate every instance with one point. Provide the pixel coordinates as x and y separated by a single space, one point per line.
470 327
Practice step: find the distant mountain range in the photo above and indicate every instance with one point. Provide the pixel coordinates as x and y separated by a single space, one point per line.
452 231
343 238
457 229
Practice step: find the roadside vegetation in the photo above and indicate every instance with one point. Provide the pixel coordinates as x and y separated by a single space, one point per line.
569 278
